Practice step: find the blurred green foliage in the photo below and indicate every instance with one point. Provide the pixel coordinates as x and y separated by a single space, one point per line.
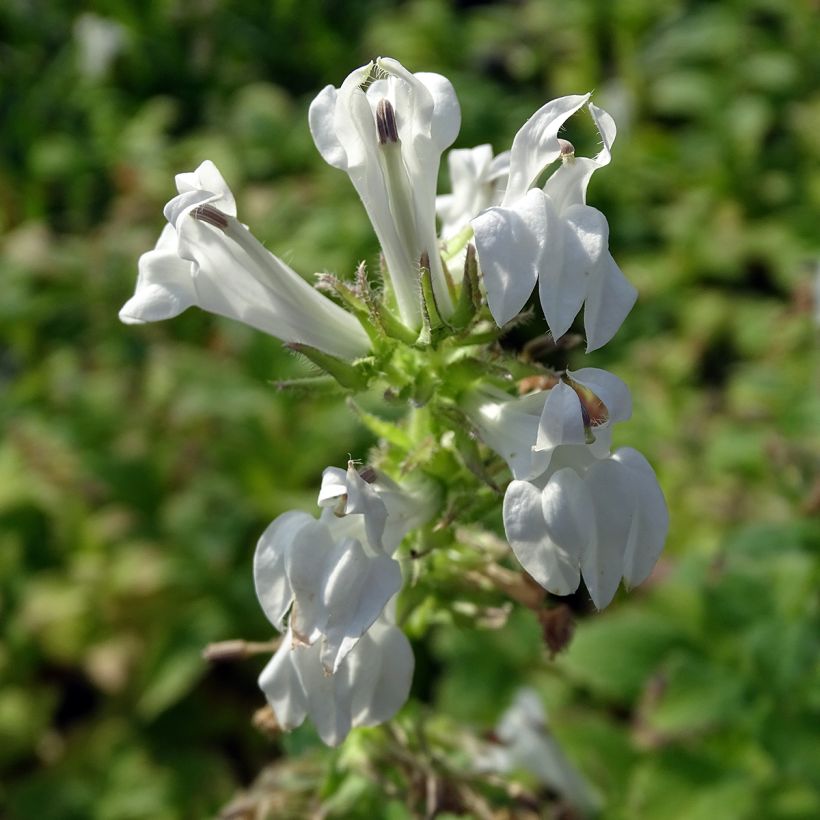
138 465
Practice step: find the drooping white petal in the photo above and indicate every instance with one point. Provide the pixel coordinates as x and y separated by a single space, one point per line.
510 242
283 689
381 668
536 144
270 577
555 566
610 297
611 390
164 286
561 276
651 523
562 421
614 505
356 591
311 554
328 697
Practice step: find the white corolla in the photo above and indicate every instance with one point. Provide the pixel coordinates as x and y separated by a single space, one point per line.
574 508
369 687
550 236
206 258
387 129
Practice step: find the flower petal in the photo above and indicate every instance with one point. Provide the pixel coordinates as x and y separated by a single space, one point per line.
562 420
283 689
562 276
328 697
536 144
308 560
269 573
614 504
355 593
382 670
207 178
651 524
610 297
321 119
510 243
164 286
555 567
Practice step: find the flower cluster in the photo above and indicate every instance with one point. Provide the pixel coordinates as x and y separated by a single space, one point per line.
427 340
332 580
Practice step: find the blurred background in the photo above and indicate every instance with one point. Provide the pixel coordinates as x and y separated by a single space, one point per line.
139 465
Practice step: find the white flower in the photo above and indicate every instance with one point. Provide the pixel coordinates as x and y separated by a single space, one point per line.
368 688
552 236
603 518
478 180
206 258
574 509
527 744
332 574
388 134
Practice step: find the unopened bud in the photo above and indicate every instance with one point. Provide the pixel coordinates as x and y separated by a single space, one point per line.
386 122
213 216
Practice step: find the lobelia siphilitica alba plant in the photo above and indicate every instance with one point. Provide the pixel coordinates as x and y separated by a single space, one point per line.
423 336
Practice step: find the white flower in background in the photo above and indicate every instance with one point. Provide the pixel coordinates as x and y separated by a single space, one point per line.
206 258
333 576
369 687
552 236
573 508
388 134
525 743
478 181
98 40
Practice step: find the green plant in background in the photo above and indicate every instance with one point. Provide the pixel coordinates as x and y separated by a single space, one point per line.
138 468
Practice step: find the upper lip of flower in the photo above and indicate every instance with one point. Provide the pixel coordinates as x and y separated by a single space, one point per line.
206 257
387 129
552 236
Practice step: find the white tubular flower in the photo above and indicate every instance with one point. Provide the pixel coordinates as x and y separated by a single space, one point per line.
525 743
332 575
478 181
388 134
369 687
206 258
574 509
552 236
605 520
